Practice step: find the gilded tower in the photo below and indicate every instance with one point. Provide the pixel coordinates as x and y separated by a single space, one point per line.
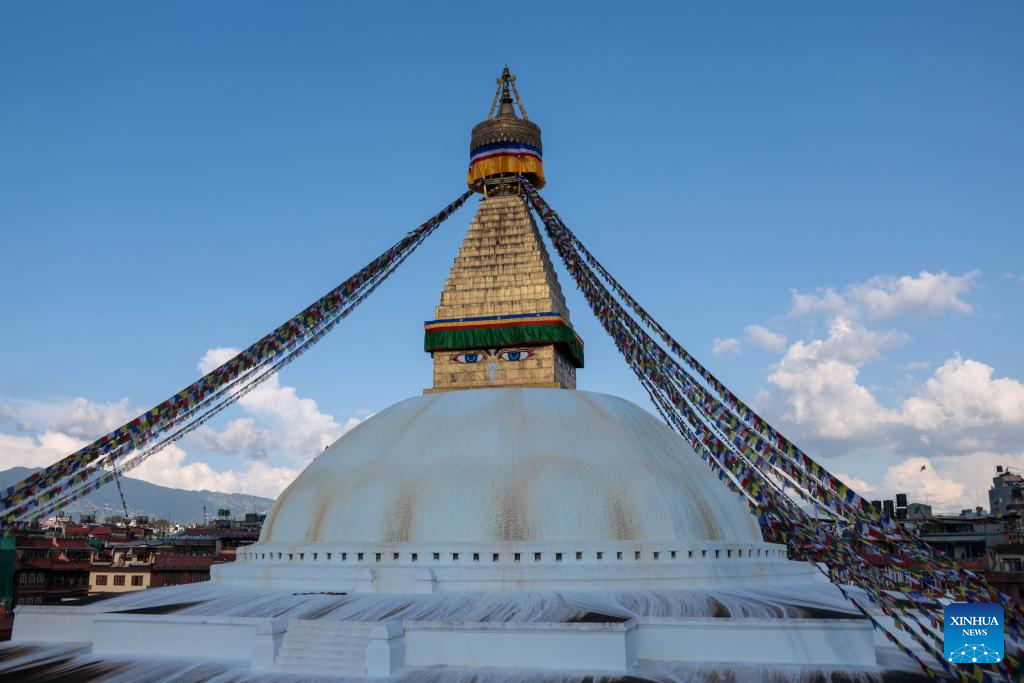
502 320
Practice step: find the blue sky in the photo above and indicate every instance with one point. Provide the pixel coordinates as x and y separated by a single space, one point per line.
181 177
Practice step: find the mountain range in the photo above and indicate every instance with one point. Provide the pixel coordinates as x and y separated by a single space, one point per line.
159 502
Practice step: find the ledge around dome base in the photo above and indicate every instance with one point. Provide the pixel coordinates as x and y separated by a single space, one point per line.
427 568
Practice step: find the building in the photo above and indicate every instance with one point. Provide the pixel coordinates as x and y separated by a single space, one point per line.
167 561
175 570
962 537
127 567
501 519
1007 492
50 570
987 543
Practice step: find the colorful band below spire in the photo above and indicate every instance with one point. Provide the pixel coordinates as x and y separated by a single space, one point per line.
513 157
503 330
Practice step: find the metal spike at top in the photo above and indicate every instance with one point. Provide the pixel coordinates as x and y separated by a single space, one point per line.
506 144
506 83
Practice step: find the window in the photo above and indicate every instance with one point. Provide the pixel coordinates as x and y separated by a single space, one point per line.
476 557
22 579
600 555
394 556
119 579
414 557
579 555
536 557
437 557
558 557
495 557
101 579
517 557
137 580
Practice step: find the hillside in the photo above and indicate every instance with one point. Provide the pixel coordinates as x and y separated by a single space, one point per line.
159 502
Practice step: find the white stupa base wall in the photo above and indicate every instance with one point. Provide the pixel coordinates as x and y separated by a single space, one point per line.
553 647
261 644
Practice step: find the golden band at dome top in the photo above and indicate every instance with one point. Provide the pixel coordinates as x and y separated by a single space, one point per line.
505 145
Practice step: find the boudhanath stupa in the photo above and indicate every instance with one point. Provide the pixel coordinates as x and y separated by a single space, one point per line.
502 525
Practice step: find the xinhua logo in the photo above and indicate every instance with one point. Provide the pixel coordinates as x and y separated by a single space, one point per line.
973 632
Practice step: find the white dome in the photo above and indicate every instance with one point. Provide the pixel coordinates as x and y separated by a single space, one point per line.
505 465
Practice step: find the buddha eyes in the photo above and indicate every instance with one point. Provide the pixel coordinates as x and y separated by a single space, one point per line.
515 355
480 356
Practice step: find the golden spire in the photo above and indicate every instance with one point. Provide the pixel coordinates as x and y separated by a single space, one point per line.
505 145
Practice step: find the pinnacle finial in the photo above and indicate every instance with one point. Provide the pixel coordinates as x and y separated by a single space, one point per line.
506 143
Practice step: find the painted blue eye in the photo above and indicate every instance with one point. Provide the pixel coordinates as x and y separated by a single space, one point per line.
467 358
515 355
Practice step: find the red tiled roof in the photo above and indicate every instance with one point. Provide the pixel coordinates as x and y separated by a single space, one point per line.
182 562
133 569
56 565
218 532
43 542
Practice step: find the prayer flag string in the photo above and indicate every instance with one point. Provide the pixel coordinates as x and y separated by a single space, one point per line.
756 462
192 403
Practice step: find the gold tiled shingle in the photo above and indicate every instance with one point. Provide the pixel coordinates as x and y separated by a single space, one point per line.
502 268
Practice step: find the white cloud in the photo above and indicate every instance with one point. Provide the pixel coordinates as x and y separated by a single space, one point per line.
279 435
764 338
925 485
51 431
962 394
18 450
169 468
216 357
78 417
961 408
881 297
297 427
960 423
239 437
817 382
859 485
725 346
88 420
824 301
